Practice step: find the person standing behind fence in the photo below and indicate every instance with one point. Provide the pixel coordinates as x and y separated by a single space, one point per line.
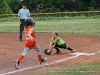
23 14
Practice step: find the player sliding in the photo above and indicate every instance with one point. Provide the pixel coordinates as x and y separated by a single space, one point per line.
57 42
30 43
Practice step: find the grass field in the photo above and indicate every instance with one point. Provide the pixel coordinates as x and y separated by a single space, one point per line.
75 26
75 69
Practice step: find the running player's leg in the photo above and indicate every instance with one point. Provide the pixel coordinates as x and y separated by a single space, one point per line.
25 52
38 49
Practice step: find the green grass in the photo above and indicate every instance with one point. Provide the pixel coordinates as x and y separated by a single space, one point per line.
75 26
92 68
51 17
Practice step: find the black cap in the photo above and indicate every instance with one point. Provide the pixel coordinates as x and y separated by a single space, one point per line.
29 21
24 4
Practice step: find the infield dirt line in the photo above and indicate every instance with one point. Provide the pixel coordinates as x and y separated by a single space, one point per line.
77 54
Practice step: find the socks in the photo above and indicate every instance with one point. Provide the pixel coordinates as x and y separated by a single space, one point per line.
20 57
39 57
69 48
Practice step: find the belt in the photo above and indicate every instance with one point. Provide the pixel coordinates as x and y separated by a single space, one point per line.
22 19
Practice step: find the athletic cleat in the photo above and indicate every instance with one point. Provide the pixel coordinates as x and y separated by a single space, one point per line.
73 51
43 60
58 52
16 64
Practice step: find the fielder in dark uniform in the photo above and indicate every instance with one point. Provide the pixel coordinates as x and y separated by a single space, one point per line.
23 14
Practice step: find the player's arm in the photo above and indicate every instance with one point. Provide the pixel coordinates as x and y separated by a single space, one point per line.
50 45
19 19
30 36
54 44
56 41
19 14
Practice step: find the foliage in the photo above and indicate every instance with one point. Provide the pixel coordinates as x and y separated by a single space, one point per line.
55 5
15 5
4 8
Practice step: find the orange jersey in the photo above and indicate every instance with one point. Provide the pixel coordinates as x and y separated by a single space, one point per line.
28 42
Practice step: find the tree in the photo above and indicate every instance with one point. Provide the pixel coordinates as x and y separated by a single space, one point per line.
55 5
15 5
4 8
93 5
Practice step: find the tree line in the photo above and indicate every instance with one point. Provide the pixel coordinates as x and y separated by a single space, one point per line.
50 5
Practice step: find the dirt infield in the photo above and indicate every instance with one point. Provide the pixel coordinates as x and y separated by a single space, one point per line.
11 48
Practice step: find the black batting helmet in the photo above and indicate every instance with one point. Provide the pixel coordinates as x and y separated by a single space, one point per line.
29 21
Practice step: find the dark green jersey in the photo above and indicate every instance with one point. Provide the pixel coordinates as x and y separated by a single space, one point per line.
60 41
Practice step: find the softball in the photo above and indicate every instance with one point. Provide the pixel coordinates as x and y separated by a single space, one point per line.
48 51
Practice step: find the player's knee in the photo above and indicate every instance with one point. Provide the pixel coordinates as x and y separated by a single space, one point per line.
24 54
39 51
26 51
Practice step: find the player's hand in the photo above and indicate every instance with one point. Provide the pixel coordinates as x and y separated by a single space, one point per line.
47 51
19 23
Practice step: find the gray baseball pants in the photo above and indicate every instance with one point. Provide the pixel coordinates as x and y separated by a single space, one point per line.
27 50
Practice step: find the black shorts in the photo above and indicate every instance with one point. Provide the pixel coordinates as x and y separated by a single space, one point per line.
64 46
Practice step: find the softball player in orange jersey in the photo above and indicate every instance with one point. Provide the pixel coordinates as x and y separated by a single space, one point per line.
30 43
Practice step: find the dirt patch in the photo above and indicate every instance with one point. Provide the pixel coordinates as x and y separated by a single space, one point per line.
11 48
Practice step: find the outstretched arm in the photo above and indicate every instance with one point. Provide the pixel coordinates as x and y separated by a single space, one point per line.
50 46
54 44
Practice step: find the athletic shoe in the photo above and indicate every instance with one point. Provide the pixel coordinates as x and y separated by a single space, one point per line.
43 60
16 64
58 52
73 51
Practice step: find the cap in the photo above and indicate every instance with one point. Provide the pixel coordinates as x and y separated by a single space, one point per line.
24 4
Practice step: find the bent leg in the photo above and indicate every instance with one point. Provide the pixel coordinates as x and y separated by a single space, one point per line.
38 49
68 48
56 47
25 52
64 46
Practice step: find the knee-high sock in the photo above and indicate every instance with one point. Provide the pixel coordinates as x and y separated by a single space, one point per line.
39 57
20 57
68 48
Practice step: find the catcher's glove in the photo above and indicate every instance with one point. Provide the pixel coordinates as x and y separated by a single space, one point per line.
47 52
